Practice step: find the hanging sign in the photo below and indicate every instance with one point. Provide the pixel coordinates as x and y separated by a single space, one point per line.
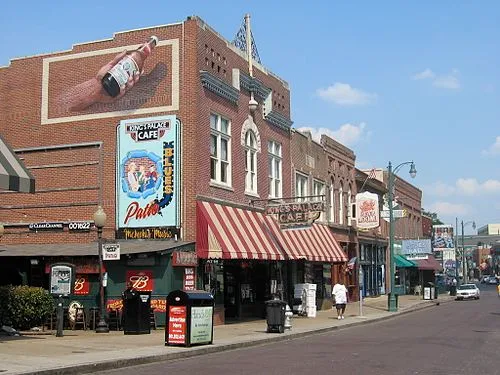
111 251
367 211
299 214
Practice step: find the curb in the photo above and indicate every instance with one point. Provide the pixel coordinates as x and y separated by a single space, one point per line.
203 350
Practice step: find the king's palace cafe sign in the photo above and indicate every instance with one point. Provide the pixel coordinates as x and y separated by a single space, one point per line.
296 215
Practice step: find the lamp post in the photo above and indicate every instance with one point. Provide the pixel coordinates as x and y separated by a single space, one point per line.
99 222
392 304
464 257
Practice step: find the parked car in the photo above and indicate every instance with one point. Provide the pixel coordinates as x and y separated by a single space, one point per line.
492 280
466 291
485 279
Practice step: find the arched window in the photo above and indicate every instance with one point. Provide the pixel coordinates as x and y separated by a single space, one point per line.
341 205
251 162
349 205
332 202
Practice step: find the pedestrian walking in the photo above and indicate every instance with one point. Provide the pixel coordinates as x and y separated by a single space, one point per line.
339 294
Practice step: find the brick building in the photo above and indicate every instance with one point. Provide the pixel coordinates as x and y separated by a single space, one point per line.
183 162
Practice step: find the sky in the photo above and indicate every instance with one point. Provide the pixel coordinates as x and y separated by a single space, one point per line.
395 81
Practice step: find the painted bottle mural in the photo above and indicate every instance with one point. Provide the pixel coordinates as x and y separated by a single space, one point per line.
116 79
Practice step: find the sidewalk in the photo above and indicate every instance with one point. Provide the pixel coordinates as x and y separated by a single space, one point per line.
85 351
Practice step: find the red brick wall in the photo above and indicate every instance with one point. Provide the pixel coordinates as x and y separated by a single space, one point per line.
21 125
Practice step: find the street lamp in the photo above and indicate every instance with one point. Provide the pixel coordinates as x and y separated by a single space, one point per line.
464 257
99 222
392 304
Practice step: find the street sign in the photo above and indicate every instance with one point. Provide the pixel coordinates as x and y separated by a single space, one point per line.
395 213
111 251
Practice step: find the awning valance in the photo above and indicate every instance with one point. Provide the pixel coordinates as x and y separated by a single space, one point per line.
315 243
227 232
402 262
14 176
429 264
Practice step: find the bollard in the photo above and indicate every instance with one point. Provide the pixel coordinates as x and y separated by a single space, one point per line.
288 317
60 317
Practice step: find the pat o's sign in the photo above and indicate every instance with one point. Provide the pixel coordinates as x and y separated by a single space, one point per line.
299 214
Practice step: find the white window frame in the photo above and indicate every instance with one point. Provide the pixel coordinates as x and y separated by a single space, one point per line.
220 136
250 162
301 190
319 189
275 169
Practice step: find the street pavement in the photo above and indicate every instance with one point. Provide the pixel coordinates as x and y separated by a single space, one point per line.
82 351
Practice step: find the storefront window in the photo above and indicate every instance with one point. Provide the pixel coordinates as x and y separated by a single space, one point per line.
213 279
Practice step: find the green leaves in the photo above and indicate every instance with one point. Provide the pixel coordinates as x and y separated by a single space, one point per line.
24 307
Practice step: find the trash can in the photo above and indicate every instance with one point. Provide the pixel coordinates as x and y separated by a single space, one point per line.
136 312
275 315
189 318
430 291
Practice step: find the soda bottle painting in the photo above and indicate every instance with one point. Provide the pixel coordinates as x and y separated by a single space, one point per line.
115 80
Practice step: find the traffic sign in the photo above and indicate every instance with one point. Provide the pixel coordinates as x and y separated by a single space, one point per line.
396 214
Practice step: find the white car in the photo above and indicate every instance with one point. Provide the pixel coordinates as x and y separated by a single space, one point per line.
466 291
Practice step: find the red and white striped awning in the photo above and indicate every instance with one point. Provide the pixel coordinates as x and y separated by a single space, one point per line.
225 232
315 243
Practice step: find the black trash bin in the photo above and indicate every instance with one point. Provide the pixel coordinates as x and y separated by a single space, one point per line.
275 315
190 318
136 312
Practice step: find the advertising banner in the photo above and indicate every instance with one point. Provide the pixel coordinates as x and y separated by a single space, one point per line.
148 172
442 237
177 324
141 280
62 279
367 211
201 324
410 247
75 86
82 285
189 282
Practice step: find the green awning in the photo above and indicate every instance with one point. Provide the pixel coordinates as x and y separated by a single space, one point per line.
402 262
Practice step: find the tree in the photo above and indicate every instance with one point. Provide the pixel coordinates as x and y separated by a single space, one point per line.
433 216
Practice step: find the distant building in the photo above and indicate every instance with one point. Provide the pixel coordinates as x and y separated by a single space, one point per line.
489 230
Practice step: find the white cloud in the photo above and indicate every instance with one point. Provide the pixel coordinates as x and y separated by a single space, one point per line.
347 134
448 209
467 186
463 186
444 81
440 189
345 95
427 73
494 149
450 82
